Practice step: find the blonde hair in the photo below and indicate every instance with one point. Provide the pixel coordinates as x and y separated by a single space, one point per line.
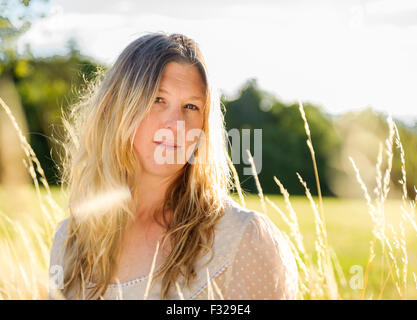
100 158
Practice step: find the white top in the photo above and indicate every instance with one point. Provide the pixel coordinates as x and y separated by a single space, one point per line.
252 261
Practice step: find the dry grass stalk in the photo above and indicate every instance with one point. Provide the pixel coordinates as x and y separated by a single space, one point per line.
216 287
258 185
370 259
151 272
293 218
210 292
24 283
31 156
236 178
304 277
294 228
403 246
119 290
377 214
338 267
180 294
313 157
325 269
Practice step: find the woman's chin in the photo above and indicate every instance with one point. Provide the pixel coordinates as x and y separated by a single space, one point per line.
165 169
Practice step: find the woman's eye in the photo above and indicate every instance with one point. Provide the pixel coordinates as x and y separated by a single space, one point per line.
188 106
194 107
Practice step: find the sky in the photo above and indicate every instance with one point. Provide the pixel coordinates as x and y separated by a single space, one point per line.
340 55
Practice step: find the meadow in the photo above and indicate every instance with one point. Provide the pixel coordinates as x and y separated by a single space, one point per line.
25 239
345 248
349 230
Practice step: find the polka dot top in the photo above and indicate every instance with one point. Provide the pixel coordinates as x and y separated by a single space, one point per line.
252 261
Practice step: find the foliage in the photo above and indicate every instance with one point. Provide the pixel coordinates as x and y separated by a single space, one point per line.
50 85
283 138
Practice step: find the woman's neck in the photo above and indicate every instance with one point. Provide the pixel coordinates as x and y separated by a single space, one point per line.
150 195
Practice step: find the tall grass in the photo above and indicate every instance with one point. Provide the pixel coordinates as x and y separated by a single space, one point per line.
25 240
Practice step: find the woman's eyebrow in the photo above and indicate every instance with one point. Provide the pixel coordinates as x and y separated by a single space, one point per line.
190 98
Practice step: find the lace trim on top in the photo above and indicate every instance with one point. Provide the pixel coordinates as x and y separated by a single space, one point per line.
218 272
129 282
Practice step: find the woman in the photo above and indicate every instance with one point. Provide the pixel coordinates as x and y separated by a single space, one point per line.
149 179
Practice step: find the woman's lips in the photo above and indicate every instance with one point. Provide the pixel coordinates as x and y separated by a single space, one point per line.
167 146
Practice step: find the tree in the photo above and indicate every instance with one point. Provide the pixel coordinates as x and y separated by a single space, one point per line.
284 149
15 19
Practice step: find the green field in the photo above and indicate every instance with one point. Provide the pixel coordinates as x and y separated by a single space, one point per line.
26 235
349 228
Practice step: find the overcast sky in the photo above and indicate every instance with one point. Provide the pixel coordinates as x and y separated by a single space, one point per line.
342 55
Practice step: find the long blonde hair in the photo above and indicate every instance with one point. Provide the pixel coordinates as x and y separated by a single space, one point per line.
100 160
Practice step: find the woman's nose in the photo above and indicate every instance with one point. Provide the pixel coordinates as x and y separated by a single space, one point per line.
173 116
175 122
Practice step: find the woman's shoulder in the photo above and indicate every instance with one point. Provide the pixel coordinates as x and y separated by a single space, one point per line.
240 229
231 228
263 246
259 231
237 213
240 218
256 226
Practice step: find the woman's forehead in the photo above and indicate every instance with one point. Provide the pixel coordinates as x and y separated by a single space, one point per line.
186 73
198 97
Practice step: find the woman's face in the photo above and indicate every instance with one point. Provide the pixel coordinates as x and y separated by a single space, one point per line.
175 119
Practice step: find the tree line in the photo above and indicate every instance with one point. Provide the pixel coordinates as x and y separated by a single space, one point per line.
47 85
